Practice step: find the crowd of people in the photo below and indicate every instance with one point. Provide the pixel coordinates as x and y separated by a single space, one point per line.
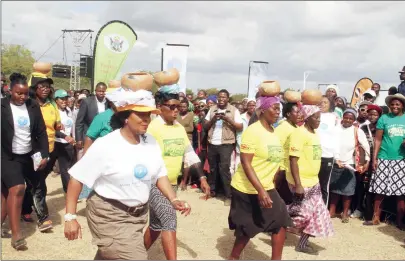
281 166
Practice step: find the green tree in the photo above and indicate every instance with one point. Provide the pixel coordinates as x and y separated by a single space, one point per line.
237 97
189 92
16 58
212 91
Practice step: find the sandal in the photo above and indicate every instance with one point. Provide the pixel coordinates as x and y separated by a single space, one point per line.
45 226
368 223
19 244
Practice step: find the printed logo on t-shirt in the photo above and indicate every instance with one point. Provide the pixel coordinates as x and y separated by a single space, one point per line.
68 123
22 121
323 126
140 171
274 153
173 147
396 130
317 152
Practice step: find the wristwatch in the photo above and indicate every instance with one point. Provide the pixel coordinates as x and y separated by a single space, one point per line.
70 217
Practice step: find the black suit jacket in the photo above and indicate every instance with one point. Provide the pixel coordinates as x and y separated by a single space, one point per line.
87 111
39 138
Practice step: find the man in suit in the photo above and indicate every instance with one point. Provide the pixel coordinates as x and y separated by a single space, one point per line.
89 108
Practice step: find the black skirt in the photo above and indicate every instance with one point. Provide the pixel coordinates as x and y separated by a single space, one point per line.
247 218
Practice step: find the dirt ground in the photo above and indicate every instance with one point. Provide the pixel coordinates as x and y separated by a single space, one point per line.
205 235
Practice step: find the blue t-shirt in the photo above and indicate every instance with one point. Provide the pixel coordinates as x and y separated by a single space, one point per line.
393 137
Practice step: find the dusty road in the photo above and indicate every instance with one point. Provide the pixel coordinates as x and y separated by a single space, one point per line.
205 235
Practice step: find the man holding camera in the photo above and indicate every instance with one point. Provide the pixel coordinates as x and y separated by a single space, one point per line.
222 122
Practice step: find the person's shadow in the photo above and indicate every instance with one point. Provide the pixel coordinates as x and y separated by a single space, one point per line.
225 245
55 204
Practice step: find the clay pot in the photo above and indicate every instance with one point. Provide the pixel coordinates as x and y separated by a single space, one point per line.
269 88
292 96
42 67
311 97
137 81
114 84
168 77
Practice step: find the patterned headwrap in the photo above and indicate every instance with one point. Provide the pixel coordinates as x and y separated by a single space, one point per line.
170 89
309 110
265 102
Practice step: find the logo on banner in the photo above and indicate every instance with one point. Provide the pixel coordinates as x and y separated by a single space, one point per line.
116 43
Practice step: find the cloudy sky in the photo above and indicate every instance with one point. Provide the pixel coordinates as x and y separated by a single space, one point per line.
340 42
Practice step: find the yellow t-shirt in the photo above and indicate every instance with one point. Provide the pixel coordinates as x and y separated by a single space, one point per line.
307 147
283 131
268 154
173 142
51 117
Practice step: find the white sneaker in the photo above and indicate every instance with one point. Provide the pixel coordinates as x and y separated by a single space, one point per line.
357 214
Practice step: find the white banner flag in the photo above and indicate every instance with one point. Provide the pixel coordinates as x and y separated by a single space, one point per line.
175 56
258 72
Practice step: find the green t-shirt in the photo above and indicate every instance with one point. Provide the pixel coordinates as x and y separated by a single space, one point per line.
100 125
393 137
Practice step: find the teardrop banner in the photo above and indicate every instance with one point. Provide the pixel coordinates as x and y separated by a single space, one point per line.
113 44
359 89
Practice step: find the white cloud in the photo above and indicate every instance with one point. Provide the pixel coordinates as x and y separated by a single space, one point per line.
341 41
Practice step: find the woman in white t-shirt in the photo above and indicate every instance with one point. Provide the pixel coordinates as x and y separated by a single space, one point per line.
120 168
327 133
64 142
23 133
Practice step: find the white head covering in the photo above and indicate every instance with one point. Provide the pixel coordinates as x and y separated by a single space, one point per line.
334 87
141 100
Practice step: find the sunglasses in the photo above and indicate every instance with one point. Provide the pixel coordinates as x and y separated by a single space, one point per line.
172 107
363 110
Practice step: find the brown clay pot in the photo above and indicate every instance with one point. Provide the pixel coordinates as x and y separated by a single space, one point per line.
114 84
168 77
292 96
42 67
269 88
311 97
137 81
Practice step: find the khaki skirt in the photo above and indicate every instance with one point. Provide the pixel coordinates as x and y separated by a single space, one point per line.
117 233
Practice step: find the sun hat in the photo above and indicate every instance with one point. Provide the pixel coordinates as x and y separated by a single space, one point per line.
128 100
397 96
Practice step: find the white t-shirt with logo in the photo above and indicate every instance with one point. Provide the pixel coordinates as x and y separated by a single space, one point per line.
67 123
22 132
118 170
216 138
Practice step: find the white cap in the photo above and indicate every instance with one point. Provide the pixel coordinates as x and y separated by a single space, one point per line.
333 86
371 92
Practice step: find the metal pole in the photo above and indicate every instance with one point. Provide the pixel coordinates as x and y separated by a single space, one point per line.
248 78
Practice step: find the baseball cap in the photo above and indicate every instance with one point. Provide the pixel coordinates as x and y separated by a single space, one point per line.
61 94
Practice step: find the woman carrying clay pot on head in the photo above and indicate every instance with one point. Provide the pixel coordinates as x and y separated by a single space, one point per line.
121 167
308 211
389 158
291 112
176 148
256 206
